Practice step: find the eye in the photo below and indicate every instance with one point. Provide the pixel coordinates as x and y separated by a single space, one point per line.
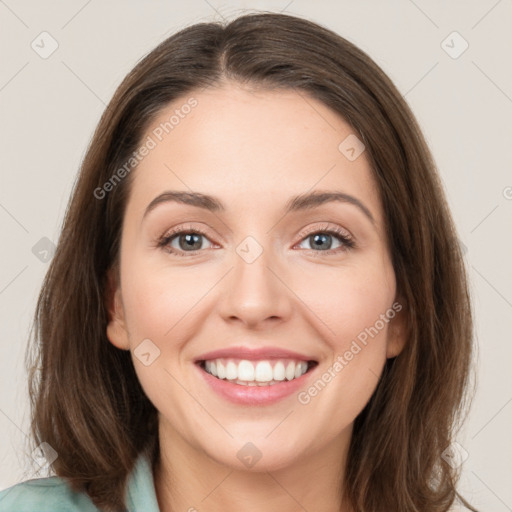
322 240
182 241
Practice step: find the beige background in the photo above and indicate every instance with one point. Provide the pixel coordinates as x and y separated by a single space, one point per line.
50 107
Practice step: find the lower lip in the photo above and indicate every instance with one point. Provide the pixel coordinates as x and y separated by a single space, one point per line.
254 395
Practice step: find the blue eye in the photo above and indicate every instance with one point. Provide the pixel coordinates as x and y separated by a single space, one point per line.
190 241
323 240
187 239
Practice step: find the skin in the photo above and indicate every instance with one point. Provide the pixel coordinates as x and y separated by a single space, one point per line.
253 150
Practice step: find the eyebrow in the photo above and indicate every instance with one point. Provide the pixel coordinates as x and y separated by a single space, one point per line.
297 203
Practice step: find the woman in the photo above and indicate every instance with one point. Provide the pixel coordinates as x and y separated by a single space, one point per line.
258 300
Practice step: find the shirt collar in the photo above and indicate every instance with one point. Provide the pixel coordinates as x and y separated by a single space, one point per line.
140 491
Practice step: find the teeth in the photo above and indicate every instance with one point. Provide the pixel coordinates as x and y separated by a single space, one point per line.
245 369
279 371
256 373
290 371
264 372
221 371
231 371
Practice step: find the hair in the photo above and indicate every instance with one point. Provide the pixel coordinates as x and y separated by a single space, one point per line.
86 401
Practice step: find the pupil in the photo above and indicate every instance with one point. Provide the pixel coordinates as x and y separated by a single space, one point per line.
317 239
190 240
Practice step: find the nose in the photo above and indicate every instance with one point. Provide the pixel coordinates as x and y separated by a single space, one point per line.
255 293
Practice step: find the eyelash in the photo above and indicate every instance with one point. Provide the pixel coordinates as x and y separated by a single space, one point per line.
347 241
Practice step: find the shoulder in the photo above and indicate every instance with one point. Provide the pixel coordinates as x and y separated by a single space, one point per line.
51 494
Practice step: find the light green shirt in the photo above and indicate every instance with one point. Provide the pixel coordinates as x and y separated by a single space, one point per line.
52 494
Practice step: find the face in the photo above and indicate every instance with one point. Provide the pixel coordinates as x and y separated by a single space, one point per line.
253 270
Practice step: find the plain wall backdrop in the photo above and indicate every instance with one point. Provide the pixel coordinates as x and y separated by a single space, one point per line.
62 61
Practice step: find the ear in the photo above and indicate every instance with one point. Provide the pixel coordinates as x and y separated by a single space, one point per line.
397 330
116 327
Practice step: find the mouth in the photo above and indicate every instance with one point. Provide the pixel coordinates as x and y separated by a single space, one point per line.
261 373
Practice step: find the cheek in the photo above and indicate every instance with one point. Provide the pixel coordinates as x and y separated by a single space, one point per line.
158 300
355 309
166 306
160 307
348 302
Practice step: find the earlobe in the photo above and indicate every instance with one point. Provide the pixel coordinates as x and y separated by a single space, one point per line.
397 332
116 327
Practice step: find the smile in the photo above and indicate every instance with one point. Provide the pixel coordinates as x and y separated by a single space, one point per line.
256 373
245 382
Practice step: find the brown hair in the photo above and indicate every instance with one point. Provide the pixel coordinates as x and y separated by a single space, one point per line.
86 400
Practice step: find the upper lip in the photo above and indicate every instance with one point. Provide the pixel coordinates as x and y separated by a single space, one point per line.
253 354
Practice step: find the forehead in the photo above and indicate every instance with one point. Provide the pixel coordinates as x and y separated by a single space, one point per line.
250 148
